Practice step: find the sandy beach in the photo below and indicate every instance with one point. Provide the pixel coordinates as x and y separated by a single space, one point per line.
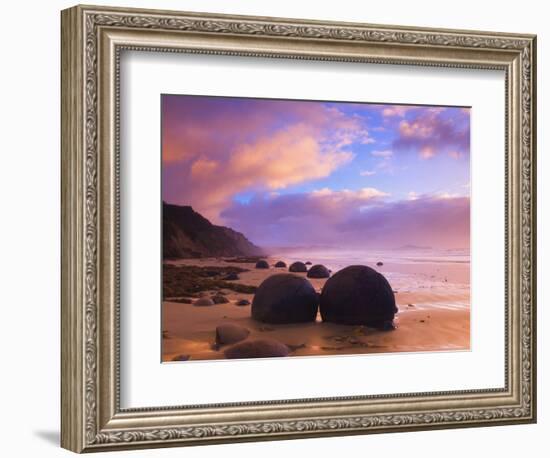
432 295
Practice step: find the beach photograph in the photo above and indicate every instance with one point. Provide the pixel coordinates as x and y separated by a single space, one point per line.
299 228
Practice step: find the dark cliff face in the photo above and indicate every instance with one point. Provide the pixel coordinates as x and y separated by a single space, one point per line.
187 234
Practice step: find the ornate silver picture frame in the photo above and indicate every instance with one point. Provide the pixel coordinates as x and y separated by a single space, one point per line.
93 39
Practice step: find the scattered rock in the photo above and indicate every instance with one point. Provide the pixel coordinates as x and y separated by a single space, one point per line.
219 299
379 263
243 259
422 321
318 271
190 281
231 276
285 298
297 267
182 300
203 302
262 264
257 348
181 358
243 302
280 264
230 333
358 295
296 347
410 305
308 263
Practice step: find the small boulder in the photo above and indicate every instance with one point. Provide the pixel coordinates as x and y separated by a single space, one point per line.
262 264
358 295
230 333
280 264
219 299
181 358
379 263
243 302
203 302
297 267
182 300
308 263
318 271
257 348
285 298
231 276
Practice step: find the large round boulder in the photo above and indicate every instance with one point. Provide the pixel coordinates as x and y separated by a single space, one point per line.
285 298
257 348
280 264
262 264
318 271
358 295
297 267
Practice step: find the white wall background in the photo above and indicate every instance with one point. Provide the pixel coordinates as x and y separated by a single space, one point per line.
29 231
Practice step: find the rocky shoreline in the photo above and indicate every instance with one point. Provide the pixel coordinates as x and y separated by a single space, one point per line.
225 308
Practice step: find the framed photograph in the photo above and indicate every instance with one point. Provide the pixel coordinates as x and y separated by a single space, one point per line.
279 228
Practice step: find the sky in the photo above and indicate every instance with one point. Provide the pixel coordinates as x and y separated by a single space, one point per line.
290 173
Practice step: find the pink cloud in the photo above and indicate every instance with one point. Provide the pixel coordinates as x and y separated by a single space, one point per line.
396 110
427 152
455 154
432 131
214 148
287 157
203 168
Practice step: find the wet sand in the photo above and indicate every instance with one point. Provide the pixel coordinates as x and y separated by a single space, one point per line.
434 315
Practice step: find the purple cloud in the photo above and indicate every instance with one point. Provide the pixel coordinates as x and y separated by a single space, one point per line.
214 148
432 131
351 218
437 221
